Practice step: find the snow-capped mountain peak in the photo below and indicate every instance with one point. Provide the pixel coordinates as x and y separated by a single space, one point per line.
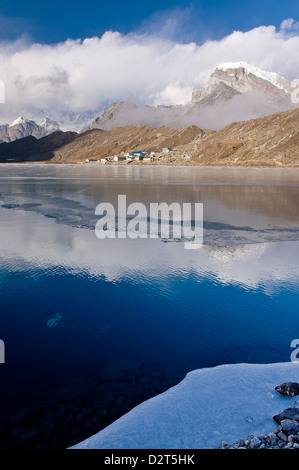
239 78
271 77
18 121
22 127
234 91
48 123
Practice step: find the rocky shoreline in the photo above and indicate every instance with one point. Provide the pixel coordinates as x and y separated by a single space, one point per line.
286 436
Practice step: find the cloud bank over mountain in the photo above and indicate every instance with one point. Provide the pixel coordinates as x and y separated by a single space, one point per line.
90 74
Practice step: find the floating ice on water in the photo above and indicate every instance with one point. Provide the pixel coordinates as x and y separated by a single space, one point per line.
56 321
223 403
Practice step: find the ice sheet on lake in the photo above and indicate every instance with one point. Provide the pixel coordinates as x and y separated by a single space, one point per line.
224 403
241 206
77 215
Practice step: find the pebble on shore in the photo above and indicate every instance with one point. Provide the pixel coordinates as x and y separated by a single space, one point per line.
286 436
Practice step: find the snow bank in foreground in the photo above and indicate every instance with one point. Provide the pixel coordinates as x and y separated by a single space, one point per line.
224 403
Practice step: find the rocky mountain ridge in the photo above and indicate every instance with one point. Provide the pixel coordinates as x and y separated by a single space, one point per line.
21 128
234 92
232 78
267 141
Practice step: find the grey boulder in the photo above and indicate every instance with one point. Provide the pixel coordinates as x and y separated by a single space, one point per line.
291 389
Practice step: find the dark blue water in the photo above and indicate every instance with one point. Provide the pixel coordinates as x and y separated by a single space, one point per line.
93 327
194 321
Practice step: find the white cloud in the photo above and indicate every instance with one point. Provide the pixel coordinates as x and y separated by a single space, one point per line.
90 74
289 24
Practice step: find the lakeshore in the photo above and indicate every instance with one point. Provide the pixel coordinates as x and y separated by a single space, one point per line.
151 309
270 141
211 408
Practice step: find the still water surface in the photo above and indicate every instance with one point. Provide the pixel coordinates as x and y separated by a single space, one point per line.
93 327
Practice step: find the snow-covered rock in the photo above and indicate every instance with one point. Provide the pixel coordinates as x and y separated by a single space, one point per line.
49 124
19 121
239 78
22 127
271 77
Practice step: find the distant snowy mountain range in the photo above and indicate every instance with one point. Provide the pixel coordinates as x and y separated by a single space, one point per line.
235 91
24 127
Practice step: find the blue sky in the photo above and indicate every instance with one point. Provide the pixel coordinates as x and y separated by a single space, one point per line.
152 52
50 22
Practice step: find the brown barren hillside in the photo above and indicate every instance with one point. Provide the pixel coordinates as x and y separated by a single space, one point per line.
96 143
268 141
101 144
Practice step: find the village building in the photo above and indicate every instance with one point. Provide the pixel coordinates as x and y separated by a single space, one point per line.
119 158
139 153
